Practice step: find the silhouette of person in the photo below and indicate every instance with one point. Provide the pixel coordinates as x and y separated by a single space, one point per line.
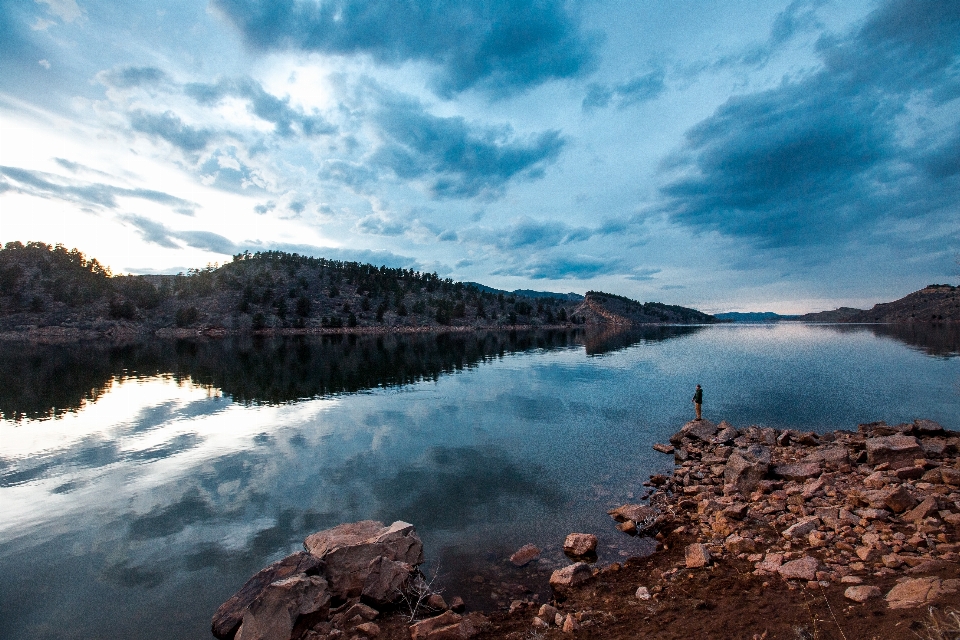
698 401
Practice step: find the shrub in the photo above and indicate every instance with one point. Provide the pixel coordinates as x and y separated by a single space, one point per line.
186 316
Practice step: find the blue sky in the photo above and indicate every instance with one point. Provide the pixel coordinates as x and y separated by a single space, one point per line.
788 156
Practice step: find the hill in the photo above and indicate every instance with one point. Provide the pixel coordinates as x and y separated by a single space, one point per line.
45 286
933 304
608 308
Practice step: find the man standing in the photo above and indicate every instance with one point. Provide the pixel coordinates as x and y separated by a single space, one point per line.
698 401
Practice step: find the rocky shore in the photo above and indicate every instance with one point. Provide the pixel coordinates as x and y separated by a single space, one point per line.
761 533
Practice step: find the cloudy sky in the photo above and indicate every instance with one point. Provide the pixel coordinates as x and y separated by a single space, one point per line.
727 155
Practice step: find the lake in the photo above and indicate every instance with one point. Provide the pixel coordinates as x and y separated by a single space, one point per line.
142 484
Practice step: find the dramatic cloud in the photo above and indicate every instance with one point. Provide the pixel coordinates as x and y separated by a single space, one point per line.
499 45
460 160
640 89
46 185
820 160
562 268
161 235
171 128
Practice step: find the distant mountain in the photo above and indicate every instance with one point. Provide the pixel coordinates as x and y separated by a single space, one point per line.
610 309
933 304
527 293
755 317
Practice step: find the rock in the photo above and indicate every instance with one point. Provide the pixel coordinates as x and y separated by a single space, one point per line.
872 514
771 563
922 510
745 468
547 612
362 610
628 527
916 592
726 433
861 593
525 555
570 576
804 568
797 472
443 627
570 624
348 552
580 544
457 604
899 499
368 629
227 618
540 623
436 602
273 614
736 511
801 528
643 593
736 544
697 555
831 455
700 430
910 473
950 476
663 448
927 428
643 516
385 580
896 450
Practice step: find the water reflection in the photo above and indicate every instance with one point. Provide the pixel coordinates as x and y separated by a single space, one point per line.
42 381
601 341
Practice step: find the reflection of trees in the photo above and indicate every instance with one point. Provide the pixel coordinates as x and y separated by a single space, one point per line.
614 338
39 381
932 339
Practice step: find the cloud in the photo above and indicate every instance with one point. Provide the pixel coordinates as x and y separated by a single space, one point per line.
562 268
640 89
46 185
163 236
377 224
823 159
225 170
460 160
168 126
264 105
66 10
500 46
131 77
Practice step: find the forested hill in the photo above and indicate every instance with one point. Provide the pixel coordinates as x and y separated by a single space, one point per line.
613 309
47 286
934 303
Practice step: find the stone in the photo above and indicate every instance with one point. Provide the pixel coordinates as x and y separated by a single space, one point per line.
362 610
385 581
862 593
227 618
540 623
804 568
916 592
697 555
643 516
726 433
831 455
700 430
525 555
368 629
457 604
927 428
580 544
875 480
736 511
547 612
950 476
771 563
348 552
643 593
896 450
444 626
570 576
797 472
663 448
273 614
910 473
872 514
899 499
570 624
922 510
801 528
628 527
737 544
745 468
436 602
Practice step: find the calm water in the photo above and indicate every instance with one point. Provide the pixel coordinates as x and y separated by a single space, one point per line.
141 485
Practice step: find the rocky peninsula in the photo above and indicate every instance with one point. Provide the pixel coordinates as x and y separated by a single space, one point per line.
760 533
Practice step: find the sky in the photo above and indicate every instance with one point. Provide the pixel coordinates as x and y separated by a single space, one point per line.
729 155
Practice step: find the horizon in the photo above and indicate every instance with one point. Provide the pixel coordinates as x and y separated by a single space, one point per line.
795 157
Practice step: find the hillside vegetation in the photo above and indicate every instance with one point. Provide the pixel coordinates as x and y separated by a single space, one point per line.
44 286
934 303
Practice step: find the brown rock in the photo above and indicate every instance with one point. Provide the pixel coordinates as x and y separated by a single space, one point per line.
896 450
368 629
771 563
385 580
444 626
922 510
663 448
362 610
697 555
436 602
797 472
570 576
910 473
348 552
570 624
547 612
899 500
950 476
801 528
745 468
227 618
927 428
642 515
917 592
831 455
736 511
457 604
736 544
580 544
525 555
804 568
273 614
861 593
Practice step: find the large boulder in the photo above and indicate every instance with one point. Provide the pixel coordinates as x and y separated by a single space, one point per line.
804 568
745 468
385 581
896 450
228 617
695 429
348 552
272 614
570 576
580 544
917 592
